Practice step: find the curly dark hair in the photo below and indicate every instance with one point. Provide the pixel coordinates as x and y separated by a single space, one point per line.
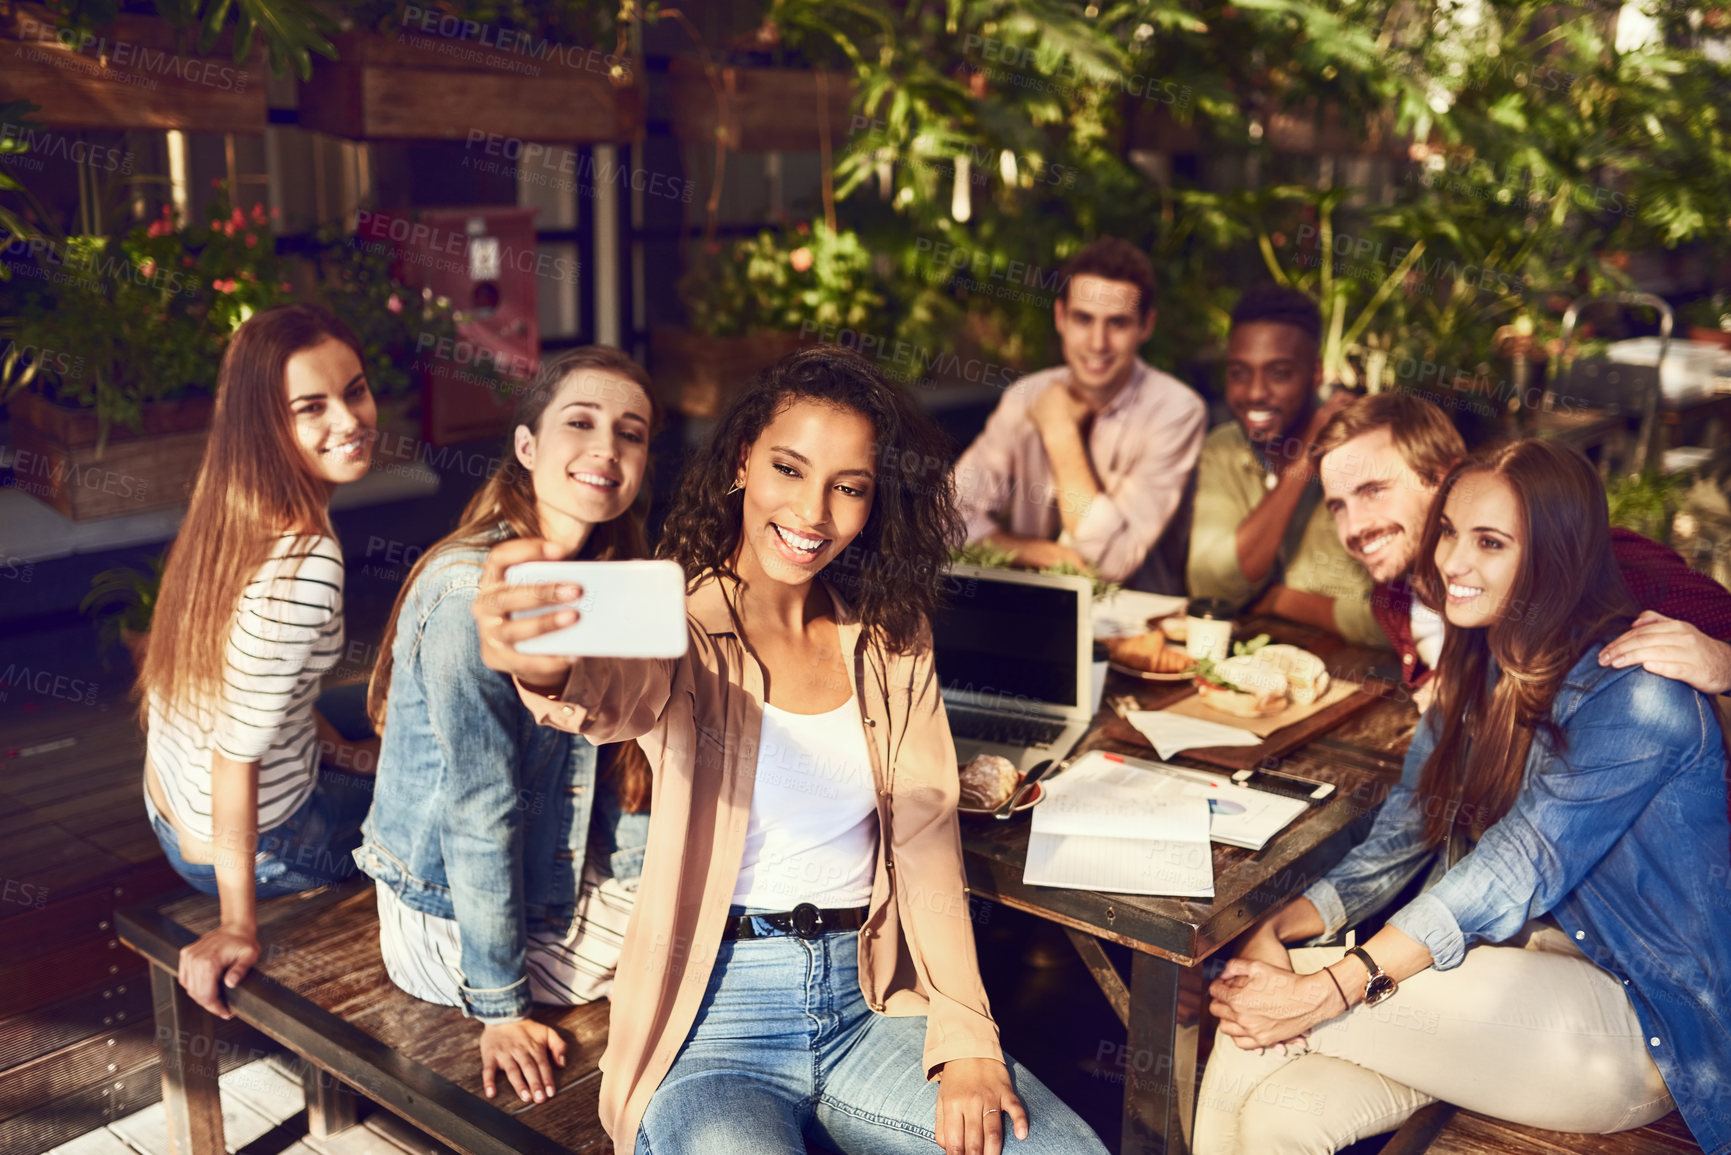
1279 305
893 572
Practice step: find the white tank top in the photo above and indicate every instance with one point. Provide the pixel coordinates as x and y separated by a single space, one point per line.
812 835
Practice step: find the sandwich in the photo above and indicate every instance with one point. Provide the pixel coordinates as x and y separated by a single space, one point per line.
1244 685
1306 676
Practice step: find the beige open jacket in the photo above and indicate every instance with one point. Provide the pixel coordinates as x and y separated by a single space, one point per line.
699 718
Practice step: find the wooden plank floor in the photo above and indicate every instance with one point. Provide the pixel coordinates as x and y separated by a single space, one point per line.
262 1111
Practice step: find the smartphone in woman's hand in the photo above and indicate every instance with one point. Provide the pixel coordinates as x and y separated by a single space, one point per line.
627 609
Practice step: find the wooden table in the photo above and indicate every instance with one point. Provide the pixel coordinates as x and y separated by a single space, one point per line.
1171 937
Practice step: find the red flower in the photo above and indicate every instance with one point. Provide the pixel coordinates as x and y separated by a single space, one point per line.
800 259
251 240
395 304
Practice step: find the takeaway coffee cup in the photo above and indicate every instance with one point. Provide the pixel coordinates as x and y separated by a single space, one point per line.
1209 625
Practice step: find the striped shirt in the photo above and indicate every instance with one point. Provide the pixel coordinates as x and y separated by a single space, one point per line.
288 630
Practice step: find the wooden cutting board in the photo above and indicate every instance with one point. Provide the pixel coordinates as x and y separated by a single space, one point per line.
1244 757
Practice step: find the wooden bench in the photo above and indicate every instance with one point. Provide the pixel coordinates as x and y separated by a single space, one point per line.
1441 1129
320 990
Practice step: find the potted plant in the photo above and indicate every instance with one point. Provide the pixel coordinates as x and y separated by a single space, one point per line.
757 300
124 334
121 600
1710 320
111 378
105 64
529 70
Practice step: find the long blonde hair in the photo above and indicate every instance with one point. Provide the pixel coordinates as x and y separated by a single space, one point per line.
253 486
507 501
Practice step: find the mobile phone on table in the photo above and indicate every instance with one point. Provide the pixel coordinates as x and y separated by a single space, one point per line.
626 609
1291 785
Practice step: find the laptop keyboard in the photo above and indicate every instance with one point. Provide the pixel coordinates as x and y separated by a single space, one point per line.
1008 729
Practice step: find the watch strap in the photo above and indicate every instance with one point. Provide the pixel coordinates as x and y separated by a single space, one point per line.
1369 963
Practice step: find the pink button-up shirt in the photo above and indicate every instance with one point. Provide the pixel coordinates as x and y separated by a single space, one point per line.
1143 447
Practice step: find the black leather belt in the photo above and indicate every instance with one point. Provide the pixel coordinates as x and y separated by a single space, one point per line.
803 921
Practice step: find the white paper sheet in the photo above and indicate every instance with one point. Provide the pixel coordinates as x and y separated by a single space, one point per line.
1169 733
1239 815
1101 829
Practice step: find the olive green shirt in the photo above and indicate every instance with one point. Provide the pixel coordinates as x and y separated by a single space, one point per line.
1231 481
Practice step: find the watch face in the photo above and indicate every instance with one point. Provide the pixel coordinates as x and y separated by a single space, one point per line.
1378 989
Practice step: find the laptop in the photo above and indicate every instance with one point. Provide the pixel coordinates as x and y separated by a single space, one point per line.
1014 655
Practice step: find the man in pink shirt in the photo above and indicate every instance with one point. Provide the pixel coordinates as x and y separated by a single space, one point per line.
1086 463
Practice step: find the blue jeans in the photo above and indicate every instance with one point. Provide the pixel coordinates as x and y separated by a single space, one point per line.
315 845
312 847
785 1049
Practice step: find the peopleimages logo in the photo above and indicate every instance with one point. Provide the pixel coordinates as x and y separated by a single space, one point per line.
435 23
120 56
59 146
1347 247
427 245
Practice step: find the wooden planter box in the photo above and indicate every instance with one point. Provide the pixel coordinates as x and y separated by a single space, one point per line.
425 86
56 458
768 109
699 376
137 76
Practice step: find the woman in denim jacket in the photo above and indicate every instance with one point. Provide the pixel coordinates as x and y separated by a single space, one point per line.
1571 814
504 874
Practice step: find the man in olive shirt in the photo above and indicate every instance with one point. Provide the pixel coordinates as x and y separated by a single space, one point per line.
1262 539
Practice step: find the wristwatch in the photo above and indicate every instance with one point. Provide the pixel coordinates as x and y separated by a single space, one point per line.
1378 986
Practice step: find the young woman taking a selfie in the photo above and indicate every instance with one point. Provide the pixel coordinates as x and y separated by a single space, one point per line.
250 614
1565 965
800 962
505 870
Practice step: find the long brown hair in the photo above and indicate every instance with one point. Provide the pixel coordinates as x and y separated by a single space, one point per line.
253 486
506 502
893 571
1567 595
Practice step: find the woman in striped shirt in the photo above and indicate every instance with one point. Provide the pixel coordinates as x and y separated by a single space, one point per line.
248 618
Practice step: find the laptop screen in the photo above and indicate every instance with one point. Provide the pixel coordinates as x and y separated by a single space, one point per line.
1011 638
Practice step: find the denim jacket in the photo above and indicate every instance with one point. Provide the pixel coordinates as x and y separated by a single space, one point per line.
479 814
1621 838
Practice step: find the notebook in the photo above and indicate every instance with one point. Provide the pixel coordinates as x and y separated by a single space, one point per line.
1129 826
1101 828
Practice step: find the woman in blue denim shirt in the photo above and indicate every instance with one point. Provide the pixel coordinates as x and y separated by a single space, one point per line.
504 874
1571 814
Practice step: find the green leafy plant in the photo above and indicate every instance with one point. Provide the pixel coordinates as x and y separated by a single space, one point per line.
802 279
122 600
395 323
986 555
982 553
1522 139
292 30
1647 502
1208 670
115 322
